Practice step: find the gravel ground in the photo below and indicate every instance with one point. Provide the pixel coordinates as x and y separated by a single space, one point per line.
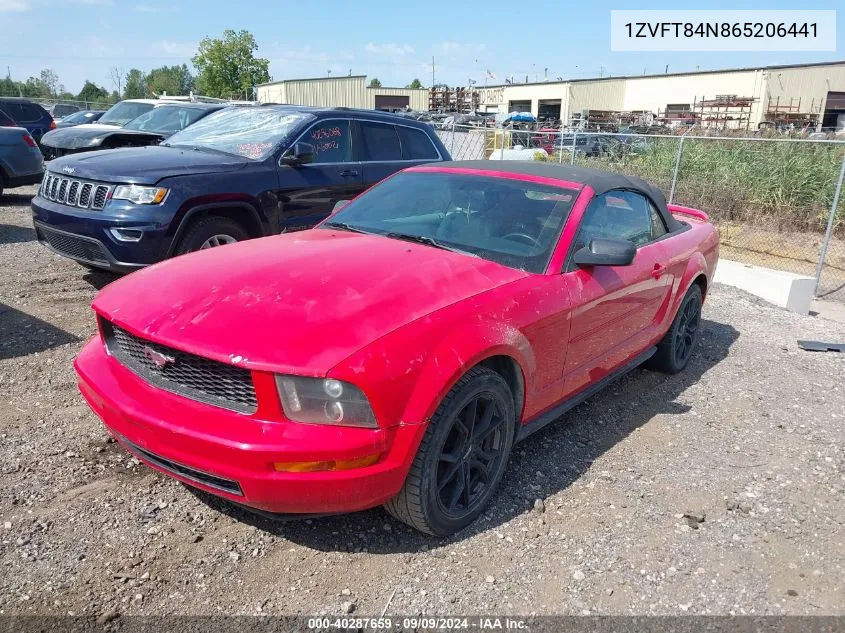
716 491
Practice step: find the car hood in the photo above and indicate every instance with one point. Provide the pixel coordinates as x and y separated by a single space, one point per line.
143 165
298 303
78 135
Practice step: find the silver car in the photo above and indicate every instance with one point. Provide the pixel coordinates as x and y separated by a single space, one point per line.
21 162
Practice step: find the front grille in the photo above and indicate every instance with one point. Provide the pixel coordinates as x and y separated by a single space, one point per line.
74 246
191 376
85 195
198 476
75 193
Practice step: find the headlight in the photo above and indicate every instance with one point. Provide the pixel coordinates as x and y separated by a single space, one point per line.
139 195
324 401
92 142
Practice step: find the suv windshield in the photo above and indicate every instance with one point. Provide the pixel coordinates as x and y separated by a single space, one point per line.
78 117
511 222
166 119
251 132
61 110
122 113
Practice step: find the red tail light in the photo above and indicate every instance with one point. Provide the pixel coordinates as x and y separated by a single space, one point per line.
29 140
52 124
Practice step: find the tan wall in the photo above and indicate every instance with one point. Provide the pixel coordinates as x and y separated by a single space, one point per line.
342 91
595 95
349 92
810 84
653 93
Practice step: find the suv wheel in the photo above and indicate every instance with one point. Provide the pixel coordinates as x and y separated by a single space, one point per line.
461 458
209 232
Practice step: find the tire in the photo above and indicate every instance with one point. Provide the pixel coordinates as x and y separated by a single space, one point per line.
675 349
424 501
205 229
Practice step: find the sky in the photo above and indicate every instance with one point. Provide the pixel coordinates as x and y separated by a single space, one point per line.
393 41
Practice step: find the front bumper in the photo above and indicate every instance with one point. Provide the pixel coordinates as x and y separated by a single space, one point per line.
231 455
87 236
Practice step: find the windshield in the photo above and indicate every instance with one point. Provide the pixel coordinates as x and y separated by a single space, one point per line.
122 113
511 222
166 119
78 117
251 132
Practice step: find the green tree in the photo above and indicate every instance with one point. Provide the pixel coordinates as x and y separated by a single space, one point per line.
32 88
416 83
375 83
49 81
173 80
227 67
92 92
135 86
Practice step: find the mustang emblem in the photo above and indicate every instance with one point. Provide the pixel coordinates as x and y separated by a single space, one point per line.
68 170
159 360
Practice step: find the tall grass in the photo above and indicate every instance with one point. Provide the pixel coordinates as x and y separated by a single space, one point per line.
789 186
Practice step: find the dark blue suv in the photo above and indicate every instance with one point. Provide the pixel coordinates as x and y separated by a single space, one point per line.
31 116
241 173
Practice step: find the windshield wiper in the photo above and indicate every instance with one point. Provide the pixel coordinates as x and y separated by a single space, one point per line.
427 241
343 226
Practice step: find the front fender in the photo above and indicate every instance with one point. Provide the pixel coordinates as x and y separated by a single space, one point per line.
457 353
406 374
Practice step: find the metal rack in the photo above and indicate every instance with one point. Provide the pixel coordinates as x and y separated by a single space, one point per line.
783 114
458 99
725 111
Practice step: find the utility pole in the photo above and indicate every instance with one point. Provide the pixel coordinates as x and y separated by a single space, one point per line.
432 71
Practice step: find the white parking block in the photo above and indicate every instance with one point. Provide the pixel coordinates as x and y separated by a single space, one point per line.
787 290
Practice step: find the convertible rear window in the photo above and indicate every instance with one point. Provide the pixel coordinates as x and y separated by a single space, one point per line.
512 222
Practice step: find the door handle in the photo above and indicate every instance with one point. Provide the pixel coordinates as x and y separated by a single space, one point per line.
658 271
349 172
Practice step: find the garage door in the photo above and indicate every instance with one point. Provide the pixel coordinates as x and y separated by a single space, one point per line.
835 101
391 102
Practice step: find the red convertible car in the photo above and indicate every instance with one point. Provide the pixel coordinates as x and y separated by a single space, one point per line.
394 354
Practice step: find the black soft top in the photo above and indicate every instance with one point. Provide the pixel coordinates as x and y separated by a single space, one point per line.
599 181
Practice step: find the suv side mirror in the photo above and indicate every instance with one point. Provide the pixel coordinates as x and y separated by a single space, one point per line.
606 252
299 154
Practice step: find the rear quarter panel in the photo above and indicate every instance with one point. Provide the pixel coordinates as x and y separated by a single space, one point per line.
689 254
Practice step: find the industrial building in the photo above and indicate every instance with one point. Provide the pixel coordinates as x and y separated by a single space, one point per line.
749 98
806 95
350 92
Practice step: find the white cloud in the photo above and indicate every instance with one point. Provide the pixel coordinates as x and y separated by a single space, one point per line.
14 6
459 49
391 49
93 2
175 49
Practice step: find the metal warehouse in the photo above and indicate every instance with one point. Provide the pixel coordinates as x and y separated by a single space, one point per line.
350 92
809 94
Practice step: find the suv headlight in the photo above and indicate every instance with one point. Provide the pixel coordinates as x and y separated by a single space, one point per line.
139 195
324 401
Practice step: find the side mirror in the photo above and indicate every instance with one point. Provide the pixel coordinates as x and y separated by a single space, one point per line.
299 154
339 205
606 252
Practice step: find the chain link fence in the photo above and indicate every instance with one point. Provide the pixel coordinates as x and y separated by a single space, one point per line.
777 202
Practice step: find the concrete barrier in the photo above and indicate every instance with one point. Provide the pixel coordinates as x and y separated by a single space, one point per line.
787 290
